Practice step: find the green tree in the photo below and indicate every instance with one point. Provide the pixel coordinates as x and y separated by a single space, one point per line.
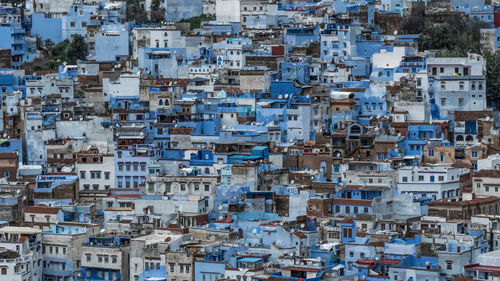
77 49
493 79
456 36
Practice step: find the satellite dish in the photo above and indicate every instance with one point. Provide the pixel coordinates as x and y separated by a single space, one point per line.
286 96
302 225
220 207
318 259
221 218
487 118
254 230
292 181
395 32
280 97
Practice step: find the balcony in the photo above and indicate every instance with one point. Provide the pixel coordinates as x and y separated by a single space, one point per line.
62 273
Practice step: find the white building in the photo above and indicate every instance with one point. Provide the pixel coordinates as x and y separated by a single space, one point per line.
27 243
457 84
227 10
155 37
43 214
95 171
486 183
125 86
50 84
433 182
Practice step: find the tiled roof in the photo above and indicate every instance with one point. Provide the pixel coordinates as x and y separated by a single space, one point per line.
488 173
465 203
42 210
471 115
354 202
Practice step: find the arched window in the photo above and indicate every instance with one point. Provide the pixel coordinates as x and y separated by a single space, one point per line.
207 171
480 87
160 102
473 86
355 129
460 138
469 138
337 154
4 271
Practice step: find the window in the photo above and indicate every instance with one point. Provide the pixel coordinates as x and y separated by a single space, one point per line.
4 271
172 267
106 175
99 259
441 178
88 257
474 153
347 232
420 178
449 265
405 179
82 174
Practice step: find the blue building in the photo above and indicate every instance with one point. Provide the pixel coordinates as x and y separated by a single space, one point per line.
112 42
47 28
12 37
159 62
209 270
106 258
57 259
